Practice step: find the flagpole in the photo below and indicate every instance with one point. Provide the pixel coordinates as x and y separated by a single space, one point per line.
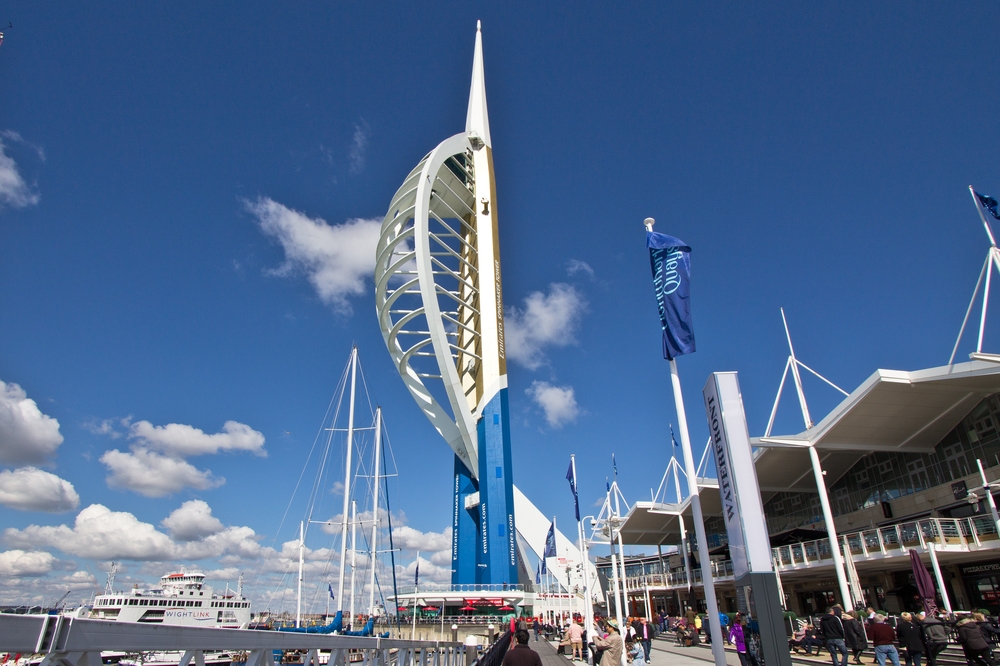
979 209
588 606
612 522
712 605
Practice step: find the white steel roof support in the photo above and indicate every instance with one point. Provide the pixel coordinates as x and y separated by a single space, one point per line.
992 258
818 473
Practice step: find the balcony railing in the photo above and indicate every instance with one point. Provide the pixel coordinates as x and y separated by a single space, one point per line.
946 534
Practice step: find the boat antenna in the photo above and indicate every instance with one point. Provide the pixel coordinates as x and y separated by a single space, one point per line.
110 588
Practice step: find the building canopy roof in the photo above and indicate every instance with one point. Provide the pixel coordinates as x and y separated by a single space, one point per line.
896 411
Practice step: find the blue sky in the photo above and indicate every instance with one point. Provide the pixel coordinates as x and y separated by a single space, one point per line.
162 166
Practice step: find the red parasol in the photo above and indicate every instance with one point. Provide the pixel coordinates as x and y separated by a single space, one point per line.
468 608
506 608
430 608
402 608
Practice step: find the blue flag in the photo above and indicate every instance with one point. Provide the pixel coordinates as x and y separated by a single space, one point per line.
538 574
989 203
670 259
550 546
672 440
607 483
330 587
615 465
572 486
416 574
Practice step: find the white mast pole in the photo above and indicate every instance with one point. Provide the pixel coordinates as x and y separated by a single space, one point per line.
824 498
621 547
555 540
347 480
413 608
378 459
354 554
302 553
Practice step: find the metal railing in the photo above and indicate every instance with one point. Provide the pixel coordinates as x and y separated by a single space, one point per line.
945 534
69 641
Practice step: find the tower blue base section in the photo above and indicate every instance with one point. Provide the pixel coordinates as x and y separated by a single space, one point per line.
464 529
497 548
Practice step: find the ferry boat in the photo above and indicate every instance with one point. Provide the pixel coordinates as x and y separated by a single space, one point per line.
181 599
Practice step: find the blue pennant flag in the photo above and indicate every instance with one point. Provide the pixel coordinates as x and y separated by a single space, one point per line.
538 574
607 483
989 203
550 546
670 259
416 574
672 440
330 587
572 486
615 465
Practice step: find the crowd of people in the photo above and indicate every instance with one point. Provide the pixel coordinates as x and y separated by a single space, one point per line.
915 637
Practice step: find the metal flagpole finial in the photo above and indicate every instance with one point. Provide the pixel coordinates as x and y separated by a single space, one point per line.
649 222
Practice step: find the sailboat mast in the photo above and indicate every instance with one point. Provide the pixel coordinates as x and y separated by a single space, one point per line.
378 459
347 480
302 553
354 552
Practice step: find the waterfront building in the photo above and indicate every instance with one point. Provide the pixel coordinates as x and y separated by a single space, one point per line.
899 458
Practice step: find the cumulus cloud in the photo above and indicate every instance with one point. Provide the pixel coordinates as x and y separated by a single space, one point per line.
545 320
179 440
359 146
155 475
192 520
336 259
31 489
26 435
155 465
102 534
557 402
574 267
25 563
409 538
14 191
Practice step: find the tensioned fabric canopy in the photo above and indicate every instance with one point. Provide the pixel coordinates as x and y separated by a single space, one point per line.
897 411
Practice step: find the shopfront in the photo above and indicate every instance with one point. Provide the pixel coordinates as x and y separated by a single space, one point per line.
982 582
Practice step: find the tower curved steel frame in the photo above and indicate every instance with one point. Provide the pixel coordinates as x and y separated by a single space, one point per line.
439 301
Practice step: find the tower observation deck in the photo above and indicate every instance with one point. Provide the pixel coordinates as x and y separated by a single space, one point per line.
438 294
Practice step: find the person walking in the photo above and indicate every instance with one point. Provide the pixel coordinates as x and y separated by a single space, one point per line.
910 639
884 638
977 650
738 638
644 636
833 633
537 626
935 637
521 654
854 634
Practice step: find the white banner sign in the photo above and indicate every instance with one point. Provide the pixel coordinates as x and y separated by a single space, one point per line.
742 509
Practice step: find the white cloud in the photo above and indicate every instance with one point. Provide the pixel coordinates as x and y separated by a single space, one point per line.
31 489
98 533
558 402
575 267
26 435
154 475
25 563
546 320
359 146
179 440
192 520
336 259
14 191
106 426
102 534
409 538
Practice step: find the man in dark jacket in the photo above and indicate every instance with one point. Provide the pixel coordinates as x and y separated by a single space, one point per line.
521 654
935 636
833 633
910 640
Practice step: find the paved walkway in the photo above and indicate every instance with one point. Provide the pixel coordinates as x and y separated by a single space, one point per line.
663 653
